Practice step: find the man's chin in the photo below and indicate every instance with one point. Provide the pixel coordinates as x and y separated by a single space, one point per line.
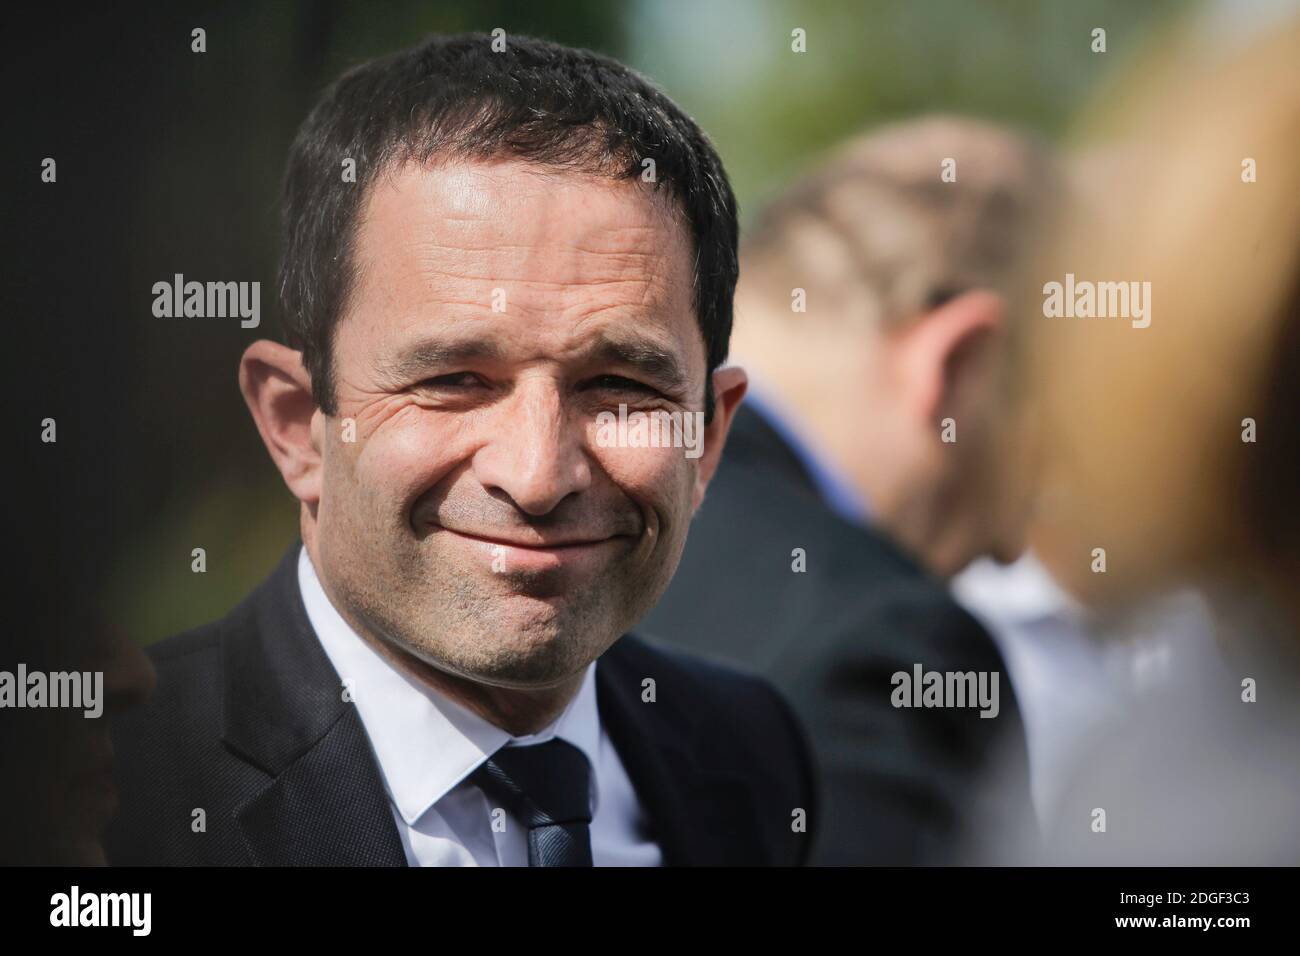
528 664
526 642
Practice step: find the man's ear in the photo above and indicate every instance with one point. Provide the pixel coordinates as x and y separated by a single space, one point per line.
948 351
277 388
729 386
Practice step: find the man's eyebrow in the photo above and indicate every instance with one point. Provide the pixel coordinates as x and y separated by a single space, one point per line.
646 356
430 354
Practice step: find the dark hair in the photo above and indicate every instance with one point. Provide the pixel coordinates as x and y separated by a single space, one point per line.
452 96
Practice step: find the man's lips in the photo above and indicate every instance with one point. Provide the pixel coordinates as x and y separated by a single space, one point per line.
586 556
555 543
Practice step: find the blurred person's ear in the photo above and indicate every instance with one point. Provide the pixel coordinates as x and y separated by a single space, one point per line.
948 374
729 386
947 361
277 389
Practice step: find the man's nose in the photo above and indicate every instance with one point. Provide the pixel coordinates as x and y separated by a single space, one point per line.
536 454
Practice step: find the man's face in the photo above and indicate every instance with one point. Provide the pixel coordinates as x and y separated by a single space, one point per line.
475 521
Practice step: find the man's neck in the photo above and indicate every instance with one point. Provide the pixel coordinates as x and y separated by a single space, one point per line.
520 712
903 509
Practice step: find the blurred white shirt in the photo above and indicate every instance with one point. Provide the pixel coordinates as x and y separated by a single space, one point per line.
1071 672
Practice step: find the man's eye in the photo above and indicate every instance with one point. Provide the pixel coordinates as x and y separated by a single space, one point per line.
617 383
452 380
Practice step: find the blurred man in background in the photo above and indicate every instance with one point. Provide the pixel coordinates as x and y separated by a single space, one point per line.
871 460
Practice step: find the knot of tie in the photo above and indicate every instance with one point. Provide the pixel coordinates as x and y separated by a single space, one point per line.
546 787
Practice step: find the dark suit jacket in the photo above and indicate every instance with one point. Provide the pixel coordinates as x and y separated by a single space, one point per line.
248 723
898 785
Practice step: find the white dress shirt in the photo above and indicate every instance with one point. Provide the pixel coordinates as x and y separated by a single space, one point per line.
1073 672
426 746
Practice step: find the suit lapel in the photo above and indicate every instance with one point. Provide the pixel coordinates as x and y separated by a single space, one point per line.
327 808
699 815
284 712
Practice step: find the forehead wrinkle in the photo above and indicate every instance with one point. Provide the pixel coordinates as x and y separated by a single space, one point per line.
550 263
598 290
475 196
601 237
578 245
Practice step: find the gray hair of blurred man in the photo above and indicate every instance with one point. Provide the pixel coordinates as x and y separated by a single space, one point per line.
906 244
902 218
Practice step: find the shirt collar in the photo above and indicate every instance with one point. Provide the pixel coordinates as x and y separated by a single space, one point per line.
1020 592
835 488
424 743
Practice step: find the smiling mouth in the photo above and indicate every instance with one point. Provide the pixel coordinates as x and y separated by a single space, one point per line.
558 545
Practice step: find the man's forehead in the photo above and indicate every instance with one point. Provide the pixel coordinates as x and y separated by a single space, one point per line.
508 235
454 255
498 204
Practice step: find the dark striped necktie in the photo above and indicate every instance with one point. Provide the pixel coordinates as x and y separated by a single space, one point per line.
547 788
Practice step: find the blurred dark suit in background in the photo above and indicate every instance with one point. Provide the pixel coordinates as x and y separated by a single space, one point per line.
898 786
